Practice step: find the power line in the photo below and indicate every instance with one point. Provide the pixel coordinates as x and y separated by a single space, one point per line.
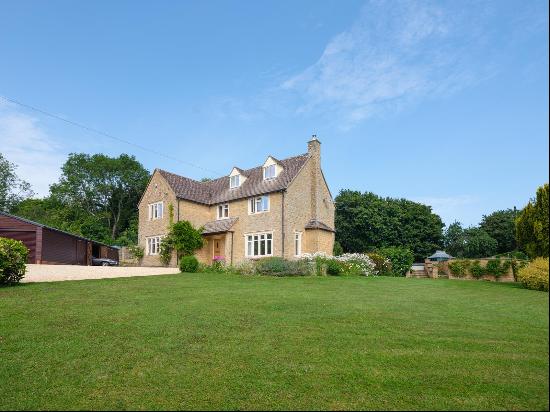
109 135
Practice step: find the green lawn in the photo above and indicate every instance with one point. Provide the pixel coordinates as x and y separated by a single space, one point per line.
214 341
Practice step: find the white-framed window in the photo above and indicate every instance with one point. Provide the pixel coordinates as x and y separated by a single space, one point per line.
223 211
258 204
156 210
297 243
153 245
259 244
269 172
234 181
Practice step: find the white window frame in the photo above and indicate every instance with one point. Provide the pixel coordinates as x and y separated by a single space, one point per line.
253 243
234 181
153 242
269 168
253 203
156 210
222 211
297 244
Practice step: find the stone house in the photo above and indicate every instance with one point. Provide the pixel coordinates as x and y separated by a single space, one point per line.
280 208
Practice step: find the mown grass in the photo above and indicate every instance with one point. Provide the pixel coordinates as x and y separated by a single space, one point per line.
218 341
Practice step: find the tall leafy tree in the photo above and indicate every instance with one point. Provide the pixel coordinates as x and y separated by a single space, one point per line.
478 243
532 225
96 197
472 242
12 189
454 239
365 221
101 192
501 226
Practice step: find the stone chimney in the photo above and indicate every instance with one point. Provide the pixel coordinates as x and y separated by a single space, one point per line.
314 147
314 150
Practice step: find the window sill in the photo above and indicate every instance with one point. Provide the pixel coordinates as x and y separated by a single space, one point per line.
258 213
258 257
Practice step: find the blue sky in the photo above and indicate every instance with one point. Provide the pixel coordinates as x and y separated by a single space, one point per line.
440 102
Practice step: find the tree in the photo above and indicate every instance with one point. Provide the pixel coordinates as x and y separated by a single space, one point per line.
501 226
473 242
532 225
96 197
12 189
365 222
454 239
101 191
478 243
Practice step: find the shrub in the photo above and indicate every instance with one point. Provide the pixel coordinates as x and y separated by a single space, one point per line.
357 264
183 238
189 264
277 266
382 264
497 268
317 262
136 251
401 259
13 259
246 267
517 264
334 268
218 264
516 254
535 275
459 267
476 270
337 249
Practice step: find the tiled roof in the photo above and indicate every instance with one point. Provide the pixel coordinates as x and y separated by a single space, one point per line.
31 222
317 224
219 226
218 191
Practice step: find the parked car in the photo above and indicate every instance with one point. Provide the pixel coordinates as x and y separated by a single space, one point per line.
103 262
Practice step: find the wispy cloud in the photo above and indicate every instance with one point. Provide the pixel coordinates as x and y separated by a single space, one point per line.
24 142
394 53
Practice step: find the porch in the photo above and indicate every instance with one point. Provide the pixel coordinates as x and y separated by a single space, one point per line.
218 245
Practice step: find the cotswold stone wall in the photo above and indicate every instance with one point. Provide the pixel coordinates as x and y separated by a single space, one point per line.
158 190
441 269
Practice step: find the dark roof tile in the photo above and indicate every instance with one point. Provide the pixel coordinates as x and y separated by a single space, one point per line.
218 191
219 226
317 224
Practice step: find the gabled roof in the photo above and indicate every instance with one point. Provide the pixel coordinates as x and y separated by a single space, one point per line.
218 191
31 222
219 226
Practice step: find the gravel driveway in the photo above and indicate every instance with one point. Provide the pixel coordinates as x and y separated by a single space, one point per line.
55 273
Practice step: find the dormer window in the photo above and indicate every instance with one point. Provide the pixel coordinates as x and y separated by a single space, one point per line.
271 168
270 172
234 181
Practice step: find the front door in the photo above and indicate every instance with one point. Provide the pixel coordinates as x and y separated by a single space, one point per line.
219 248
